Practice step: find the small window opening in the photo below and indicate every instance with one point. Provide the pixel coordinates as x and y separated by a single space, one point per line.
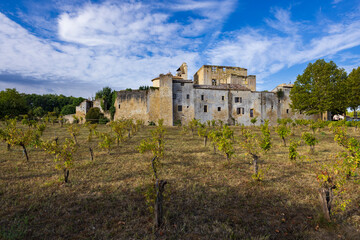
187 106
202 97
213 82
272 107
224 69
179 108
174 96
182 84
238 111
219 109
243 110
240 99
213 69
222 98
119 106
237 99
287 110
187 96
205 108
251 112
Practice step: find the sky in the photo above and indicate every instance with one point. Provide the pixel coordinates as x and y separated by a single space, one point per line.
77 47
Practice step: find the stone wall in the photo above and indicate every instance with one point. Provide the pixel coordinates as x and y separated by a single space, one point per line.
166 99
137 104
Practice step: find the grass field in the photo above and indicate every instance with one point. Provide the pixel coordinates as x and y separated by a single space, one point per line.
206 197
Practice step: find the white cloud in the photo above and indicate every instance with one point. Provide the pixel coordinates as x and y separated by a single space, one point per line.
122 25
336 1
265 53
121 45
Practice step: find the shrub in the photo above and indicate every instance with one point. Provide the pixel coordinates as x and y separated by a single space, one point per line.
309 140
103 120
93 115
283 131
293 153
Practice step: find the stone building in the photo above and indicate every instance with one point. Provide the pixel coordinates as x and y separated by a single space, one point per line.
217 92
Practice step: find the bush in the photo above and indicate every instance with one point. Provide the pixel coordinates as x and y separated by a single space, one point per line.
103 120
93 115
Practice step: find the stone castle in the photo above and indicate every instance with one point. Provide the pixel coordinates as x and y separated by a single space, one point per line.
217 92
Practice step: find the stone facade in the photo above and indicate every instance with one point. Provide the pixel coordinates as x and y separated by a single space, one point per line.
217 92
218 75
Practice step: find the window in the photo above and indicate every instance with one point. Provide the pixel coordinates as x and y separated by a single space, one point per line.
187 106
224 69
237 99
119 106
240 111
174 96
182 84
222 98
187 96
287 111
251 112
179 108
240 99
272 107
213 69
205 108
219 109
202 97
213 82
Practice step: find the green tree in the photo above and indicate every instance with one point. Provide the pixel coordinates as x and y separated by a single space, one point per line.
106 95
12 103
353 90
38 112
68 109
320 88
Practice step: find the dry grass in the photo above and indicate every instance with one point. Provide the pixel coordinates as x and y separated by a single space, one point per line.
206 198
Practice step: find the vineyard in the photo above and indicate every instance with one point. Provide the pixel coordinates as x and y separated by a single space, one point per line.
126 180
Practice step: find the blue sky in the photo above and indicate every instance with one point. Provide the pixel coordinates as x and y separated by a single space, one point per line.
76 47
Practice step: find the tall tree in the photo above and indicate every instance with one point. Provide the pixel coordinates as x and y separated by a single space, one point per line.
106 95
320 88
12 103
353 90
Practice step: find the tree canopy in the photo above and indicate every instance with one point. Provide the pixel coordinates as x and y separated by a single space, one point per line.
353 90
106 95
320 88
12 103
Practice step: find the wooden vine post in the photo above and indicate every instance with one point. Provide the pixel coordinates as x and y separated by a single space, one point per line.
326 197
